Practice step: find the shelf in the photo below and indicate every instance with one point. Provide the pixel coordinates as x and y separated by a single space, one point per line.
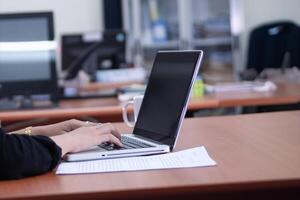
190 24
163 45
212 41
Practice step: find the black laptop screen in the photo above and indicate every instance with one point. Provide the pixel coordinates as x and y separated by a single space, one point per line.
166 96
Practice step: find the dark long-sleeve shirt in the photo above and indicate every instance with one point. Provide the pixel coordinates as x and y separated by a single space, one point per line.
23 155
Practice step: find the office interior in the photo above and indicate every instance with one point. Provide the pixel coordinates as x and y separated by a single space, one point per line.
103 49
89 59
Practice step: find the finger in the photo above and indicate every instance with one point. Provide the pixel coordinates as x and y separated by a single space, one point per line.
108 128
114 140
75 123
114 130
89 123
78 123
117 132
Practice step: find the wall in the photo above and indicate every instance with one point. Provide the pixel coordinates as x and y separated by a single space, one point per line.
257 12
70 15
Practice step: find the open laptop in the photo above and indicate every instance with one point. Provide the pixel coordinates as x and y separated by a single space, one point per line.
162 110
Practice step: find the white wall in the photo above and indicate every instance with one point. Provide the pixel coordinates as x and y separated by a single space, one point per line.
69 15
257 12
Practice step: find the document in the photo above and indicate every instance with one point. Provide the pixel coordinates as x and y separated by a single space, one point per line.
195 157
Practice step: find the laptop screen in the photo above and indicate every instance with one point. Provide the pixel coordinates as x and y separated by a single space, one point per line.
166 95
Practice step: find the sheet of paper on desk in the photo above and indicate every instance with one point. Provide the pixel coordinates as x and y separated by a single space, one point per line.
195 157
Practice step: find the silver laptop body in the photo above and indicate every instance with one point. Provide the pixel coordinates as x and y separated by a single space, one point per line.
162 111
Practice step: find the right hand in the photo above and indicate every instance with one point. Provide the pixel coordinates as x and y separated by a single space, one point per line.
85 137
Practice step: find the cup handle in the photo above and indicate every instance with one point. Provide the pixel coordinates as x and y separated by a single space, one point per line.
125 116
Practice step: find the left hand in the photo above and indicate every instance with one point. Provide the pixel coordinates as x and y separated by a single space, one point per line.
59 128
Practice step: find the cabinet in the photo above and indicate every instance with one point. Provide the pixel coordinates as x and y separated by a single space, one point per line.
154 25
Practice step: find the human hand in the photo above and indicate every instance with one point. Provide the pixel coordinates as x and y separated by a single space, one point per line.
87 136
61 127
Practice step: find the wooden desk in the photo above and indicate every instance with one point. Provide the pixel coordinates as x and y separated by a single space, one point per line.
257 156
286 93
104 109
110 109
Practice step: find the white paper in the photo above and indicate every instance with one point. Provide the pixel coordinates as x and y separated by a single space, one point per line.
195 157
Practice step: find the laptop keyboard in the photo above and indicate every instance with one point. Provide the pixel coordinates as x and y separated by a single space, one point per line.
128 143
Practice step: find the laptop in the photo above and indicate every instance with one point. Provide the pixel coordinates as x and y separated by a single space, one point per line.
161 113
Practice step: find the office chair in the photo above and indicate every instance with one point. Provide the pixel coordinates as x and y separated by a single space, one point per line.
274 45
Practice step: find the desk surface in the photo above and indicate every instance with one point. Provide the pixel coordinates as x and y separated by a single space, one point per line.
286 93
255 153
109 109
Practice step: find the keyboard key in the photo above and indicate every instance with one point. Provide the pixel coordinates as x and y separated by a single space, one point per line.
128 143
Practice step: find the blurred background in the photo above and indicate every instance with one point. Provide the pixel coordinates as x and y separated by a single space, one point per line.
64 47
220 27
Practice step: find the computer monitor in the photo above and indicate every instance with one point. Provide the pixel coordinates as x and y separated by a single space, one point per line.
27 54
92 52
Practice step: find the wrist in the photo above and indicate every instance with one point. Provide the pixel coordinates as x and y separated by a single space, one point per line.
28 131
36 130
45 130
64 142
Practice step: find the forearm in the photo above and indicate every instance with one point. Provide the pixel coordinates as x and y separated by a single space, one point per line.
38 130
21 155
44 130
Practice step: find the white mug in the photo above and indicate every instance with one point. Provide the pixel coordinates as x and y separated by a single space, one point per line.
136 102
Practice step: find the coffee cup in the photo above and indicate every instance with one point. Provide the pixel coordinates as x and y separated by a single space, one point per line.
136 103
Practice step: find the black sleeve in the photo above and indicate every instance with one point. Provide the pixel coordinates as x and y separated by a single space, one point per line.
23 155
